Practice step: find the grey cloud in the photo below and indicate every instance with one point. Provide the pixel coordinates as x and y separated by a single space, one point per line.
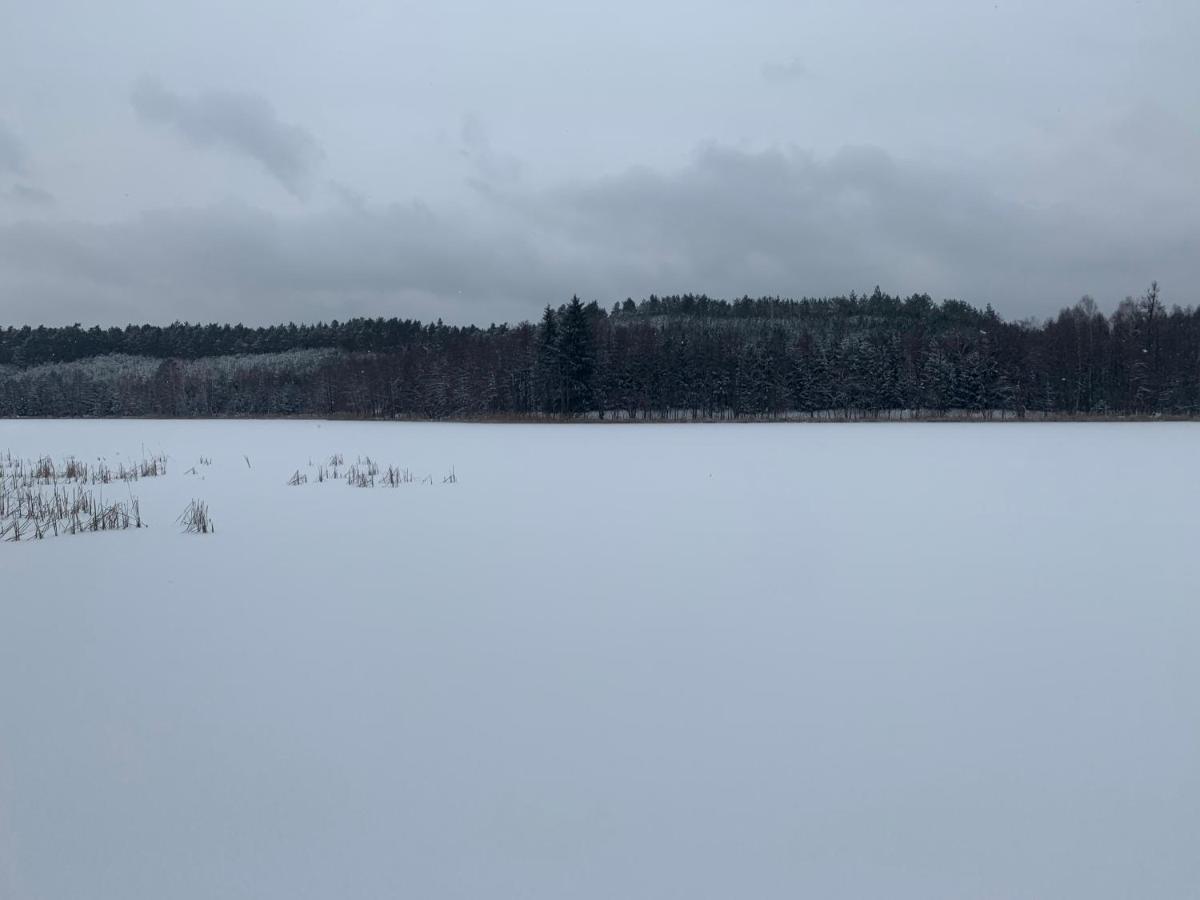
730 222
244 264
346 195
242 122
785 72
996 180
13 157
788 222
491 165
29 196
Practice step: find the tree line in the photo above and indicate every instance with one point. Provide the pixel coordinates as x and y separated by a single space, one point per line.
686 356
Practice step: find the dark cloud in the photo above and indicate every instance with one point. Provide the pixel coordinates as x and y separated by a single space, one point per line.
242 122
785 72
788 222
13 158
730 222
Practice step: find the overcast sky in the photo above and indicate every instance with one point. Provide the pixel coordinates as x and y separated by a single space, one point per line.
284 160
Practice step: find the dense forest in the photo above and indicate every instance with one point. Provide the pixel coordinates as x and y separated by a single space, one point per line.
664 357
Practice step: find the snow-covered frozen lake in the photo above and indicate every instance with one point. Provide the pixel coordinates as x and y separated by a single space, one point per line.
862 661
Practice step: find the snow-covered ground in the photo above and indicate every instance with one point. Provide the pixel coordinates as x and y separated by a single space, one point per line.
776 661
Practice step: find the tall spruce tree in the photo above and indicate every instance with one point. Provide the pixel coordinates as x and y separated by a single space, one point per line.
577 353
548 366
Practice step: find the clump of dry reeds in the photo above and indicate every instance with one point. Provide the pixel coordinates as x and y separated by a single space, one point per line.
366 472
152 467
41 498
362 476
29 512
196 519
394 476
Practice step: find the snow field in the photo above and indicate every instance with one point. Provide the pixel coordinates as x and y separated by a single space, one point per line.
900 660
